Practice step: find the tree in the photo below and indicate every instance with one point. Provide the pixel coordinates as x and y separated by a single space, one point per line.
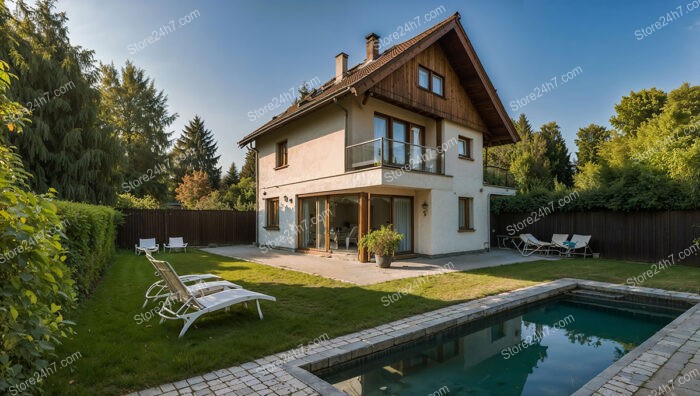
248 169
213 201
139 116
637 108
232 177
557 153
588 140
196 150
64 146
241 196
193 187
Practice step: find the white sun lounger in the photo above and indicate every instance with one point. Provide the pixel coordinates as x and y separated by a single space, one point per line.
581 245
558 242
197 283
529 245
192 305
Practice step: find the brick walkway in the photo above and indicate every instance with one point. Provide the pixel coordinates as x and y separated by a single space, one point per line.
672 352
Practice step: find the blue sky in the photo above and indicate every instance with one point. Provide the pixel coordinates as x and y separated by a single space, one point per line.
235 56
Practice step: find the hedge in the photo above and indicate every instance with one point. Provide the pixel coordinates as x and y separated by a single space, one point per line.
35 280
90 235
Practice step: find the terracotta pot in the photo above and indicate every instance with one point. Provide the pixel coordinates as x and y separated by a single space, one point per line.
383 261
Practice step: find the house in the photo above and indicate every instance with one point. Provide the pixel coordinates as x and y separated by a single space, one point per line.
396 139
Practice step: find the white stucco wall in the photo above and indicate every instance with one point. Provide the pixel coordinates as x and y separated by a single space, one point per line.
316 152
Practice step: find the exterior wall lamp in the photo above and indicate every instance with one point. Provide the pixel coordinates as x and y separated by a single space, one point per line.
425 208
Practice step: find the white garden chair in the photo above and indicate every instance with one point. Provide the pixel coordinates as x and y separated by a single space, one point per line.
146 246
175 243
352 237
192 306
197 283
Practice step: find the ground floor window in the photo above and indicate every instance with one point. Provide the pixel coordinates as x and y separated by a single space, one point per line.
331 222
466 221
273 215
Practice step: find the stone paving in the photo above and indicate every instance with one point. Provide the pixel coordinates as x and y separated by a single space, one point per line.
369 273
671 353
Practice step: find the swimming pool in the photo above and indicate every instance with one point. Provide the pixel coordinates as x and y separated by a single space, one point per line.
550 347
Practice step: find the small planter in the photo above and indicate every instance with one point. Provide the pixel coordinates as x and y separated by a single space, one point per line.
383 243
383 261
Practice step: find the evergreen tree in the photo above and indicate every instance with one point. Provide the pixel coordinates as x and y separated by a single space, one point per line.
557 154
248 170
139 116
196 150
64 146
588 140
232 177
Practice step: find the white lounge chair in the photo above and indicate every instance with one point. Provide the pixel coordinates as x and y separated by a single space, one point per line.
146 246
529 245
196 283
582 243
559 242
352 237
175 243
192 306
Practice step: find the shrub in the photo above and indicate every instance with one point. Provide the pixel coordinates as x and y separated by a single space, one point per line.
382 242
90 232
127 200
36 282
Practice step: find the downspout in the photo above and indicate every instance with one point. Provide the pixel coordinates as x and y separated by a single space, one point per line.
257 192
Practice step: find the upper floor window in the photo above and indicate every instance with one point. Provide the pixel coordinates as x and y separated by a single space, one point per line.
431 81
281 156
464 147
423 77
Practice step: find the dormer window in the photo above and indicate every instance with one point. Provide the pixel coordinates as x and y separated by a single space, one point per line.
431 81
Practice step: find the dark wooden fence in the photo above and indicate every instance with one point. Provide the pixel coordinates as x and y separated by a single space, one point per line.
639 236
197 227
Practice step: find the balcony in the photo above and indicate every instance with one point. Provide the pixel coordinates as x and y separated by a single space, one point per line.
499 177
394 153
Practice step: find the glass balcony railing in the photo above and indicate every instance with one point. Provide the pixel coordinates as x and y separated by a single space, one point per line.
387 152
500 177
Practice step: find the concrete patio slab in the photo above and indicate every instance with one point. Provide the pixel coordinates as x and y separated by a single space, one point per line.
369 273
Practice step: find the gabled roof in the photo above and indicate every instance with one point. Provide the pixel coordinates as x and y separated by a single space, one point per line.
363 76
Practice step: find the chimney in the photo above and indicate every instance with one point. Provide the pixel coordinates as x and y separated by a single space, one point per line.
372 47
341 66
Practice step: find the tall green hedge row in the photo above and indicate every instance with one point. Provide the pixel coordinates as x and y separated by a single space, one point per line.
51 253
90 235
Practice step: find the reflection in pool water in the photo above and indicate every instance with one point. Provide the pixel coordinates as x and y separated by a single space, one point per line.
533 353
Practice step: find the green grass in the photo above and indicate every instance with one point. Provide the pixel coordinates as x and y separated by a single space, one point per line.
120 356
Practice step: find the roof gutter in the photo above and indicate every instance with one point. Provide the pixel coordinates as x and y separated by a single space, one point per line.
299 114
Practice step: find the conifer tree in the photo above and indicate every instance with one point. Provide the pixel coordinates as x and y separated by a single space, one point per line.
196 150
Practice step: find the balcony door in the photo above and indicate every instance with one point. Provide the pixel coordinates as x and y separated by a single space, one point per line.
403 141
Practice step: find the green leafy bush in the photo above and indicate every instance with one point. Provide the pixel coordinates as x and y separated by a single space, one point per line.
127 200
382 242
36 282
90 232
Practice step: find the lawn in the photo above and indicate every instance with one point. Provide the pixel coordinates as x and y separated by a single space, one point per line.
121 351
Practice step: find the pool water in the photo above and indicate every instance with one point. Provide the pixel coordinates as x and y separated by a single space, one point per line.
552 348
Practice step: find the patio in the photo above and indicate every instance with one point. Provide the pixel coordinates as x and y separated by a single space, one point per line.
364 274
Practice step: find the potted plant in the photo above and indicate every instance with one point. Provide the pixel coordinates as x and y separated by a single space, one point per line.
383 243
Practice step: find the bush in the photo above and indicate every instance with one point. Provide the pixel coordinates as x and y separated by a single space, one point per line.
90 232
127 201
36 282
382 242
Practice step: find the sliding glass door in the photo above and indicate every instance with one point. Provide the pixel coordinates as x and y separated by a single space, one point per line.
313 223
396 211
